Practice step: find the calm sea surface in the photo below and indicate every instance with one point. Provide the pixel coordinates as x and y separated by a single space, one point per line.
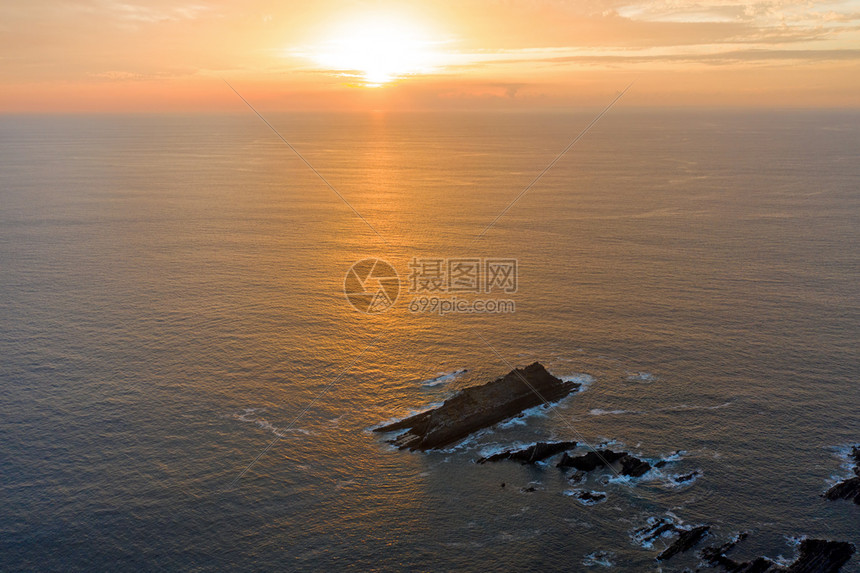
171 300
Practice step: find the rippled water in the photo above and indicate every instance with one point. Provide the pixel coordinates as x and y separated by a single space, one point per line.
171 300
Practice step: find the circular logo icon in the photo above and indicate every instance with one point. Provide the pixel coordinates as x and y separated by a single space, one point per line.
371 286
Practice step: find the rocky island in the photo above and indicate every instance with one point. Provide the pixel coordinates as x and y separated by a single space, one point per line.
479 407
630 465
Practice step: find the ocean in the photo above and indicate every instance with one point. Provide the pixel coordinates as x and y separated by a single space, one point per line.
185 386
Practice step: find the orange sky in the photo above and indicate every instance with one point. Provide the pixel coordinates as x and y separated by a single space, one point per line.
97 55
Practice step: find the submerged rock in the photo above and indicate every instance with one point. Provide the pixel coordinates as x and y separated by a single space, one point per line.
673 458
686 477
630 465
667 526
656 527
478 407
815 556
686 540
534 453
601 558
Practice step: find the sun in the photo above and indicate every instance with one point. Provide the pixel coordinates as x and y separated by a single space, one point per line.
378 50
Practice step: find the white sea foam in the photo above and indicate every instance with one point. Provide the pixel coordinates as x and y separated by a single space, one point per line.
584 380
470 441
793 541
250 415
847 466
675 456
676 481
522 418
685 407
601 412
599 558
401 417
515 421
496 448
677 408
641 377
644 536
531 487
443 378
578 493
626 480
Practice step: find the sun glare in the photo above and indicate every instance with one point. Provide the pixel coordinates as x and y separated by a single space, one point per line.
378 50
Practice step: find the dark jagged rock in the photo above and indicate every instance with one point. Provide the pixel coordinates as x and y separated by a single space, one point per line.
634 467
630 465
589 497
757 565
534 453
591 460
666 526
848 489
815 556
855 455
479 407
821 556
716 555
686 540
576 477
528 489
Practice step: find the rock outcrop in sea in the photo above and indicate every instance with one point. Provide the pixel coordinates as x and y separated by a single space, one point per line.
663 527
815 556
534 453
479 407
848 488
630 465
686 540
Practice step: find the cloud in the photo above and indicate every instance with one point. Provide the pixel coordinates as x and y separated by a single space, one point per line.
117 75
704 55
149 14
126 76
